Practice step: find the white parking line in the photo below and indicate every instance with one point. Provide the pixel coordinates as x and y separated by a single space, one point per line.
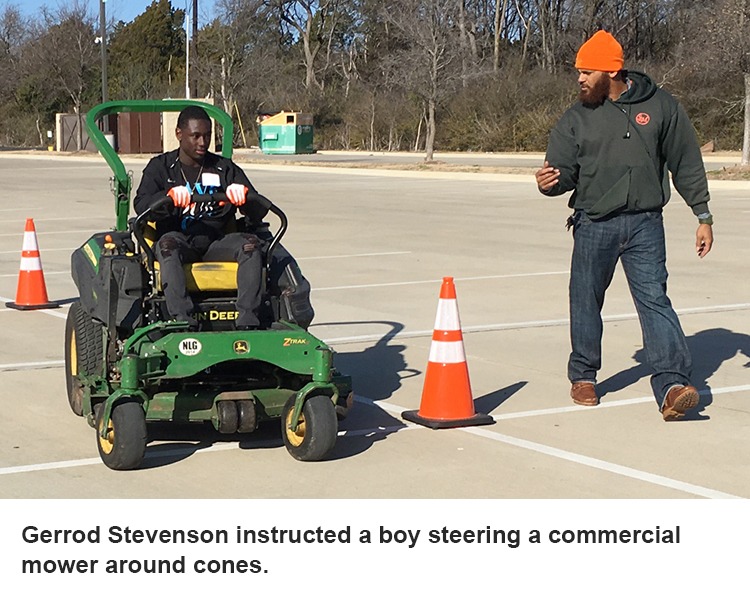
583 460
44 250
55 313
613 404
58 272
432 281
56 218
354 256
155 453
394 409
50 466
579 458
96 461
529 324
485 328
31 365
40 233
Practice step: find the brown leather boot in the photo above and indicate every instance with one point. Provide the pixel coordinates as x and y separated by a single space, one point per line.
584 394
678 401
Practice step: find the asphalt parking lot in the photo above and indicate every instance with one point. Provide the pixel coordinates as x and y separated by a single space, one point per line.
375 246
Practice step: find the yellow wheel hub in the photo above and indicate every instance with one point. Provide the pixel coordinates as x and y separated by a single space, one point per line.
73 355
295 438
107 442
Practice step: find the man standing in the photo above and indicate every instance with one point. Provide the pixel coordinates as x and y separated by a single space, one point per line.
613 149
189 232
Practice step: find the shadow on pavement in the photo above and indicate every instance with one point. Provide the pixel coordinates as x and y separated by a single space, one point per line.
709 348
490 402
178 442
377 372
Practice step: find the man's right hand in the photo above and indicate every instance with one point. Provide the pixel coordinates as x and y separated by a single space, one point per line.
547 177
180 196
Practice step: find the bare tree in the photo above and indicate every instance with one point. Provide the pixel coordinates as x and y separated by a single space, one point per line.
230 46
500 13
313 23
428 54
719 42
62 45
12 32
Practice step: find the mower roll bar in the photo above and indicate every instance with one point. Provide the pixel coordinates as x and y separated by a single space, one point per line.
121 181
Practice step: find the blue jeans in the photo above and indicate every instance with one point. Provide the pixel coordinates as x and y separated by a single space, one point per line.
638 241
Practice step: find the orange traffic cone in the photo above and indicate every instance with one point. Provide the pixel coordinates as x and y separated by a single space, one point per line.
32 292
446 397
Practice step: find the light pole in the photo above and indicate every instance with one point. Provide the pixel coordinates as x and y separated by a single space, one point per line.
187 50
195 44
187 44
103 41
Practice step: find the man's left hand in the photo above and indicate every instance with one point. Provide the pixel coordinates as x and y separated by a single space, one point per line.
236 194
704 239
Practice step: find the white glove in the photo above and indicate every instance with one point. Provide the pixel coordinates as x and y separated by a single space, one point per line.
180 196
236 194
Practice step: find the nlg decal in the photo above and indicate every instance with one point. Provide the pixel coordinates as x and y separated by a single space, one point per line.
190 347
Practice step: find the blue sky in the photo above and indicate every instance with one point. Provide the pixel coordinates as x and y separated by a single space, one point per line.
121 10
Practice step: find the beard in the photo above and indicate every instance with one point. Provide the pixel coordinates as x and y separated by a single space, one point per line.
595 95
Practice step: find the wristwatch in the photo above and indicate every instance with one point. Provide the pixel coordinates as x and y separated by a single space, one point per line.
706 218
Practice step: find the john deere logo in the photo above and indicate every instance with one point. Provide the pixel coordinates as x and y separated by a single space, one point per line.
241 347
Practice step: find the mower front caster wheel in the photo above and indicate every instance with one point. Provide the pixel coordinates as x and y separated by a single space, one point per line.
228 417
124 443
316 431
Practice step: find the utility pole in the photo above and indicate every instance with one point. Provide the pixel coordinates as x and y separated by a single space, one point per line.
195 44
187 51
103 41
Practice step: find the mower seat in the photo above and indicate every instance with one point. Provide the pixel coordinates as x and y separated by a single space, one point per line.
206 276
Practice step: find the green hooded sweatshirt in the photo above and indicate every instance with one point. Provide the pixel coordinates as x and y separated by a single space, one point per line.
615 155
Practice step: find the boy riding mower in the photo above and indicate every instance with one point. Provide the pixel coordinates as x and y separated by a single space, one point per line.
127 365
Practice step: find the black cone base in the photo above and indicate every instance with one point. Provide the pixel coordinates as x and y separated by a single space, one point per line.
16 306
437 423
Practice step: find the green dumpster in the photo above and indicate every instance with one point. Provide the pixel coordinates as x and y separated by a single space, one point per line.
286 133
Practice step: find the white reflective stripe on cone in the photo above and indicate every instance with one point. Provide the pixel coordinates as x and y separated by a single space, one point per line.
447 352
29 241
31 263
447 316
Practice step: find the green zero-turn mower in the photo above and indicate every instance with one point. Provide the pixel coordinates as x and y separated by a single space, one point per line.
127 364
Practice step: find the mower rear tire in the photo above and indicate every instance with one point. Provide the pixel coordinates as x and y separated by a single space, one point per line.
124 445
316 431
84 353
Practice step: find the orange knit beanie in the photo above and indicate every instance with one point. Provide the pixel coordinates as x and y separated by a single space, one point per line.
601 52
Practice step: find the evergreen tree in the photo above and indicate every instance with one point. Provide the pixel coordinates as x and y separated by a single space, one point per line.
147 55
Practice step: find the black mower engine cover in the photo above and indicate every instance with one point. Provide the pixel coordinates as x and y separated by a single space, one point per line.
110 278
291 288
